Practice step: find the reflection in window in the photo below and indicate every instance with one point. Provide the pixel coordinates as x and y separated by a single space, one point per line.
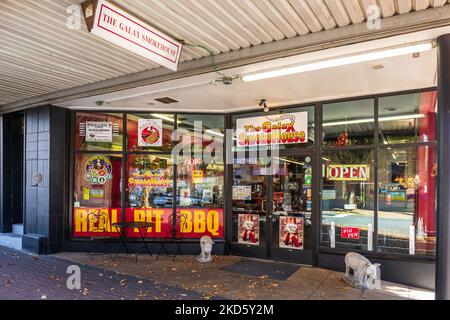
150 181
348 199
407 200
408 118
200 185
200 170
98 131
348 123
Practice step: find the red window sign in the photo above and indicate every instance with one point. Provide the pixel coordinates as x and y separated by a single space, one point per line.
350 233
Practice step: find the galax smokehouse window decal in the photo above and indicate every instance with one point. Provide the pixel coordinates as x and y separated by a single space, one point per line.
272 129
348 172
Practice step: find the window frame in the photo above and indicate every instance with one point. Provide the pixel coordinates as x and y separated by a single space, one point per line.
125 153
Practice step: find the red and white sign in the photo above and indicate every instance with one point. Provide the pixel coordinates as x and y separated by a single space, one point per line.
350 233
150 132
117 26
348 172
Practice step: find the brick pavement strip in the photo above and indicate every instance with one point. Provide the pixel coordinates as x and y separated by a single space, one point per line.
28 277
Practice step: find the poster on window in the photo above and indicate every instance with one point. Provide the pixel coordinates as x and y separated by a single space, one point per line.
99 131
248 229
185 197
291 233
277 129
150 132
242 193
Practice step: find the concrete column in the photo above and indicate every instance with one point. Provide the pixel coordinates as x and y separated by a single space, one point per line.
443 220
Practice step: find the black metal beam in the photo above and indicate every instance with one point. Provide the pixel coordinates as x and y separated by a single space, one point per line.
443 217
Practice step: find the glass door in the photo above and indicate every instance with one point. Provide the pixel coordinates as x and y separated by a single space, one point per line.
291 215
249 209
272 213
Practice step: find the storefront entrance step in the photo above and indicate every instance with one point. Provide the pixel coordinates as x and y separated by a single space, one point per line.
11 240
17 229
269 269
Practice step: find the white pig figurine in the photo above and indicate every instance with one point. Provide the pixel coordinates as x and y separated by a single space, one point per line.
365 273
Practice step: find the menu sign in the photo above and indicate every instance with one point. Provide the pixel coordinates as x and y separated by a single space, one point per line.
99 131
276 129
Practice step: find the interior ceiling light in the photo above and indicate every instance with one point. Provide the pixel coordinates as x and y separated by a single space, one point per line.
342 61
393 118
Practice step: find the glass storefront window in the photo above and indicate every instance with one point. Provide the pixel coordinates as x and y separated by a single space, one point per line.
275 117
150 132
97 188
348 123
149 192
200 170
407 186
98 131
200 185
150 181
408 118
249 203
348 199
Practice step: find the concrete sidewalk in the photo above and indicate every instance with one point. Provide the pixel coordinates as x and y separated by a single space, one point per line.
211 282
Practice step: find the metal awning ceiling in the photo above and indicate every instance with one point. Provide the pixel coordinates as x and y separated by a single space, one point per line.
39 54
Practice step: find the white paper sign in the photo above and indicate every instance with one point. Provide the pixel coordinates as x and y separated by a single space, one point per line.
289 128
99 131
150 132
117 26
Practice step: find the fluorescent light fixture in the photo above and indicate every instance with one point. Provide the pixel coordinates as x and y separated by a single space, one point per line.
161 116
343 61
215 133
290 161
383 119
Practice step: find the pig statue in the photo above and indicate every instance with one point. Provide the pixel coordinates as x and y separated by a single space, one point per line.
206 245
366 275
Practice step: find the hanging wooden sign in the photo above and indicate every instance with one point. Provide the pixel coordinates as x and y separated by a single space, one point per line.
115 25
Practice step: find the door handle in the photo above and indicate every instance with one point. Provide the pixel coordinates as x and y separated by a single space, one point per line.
262 206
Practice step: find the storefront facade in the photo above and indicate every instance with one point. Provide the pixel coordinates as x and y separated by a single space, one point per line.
355 174
303 183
